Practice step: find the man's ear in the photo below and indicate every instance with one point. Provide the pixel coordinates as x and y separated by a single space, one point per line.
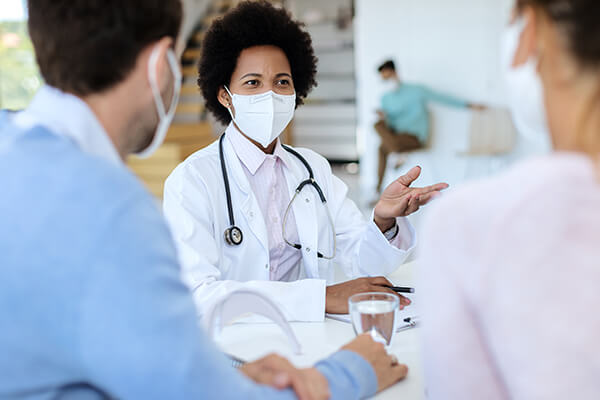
224 97
529 37
163 68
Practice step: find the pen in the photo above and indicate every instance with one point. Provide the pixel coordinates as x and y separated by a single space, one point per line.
414 319
400 289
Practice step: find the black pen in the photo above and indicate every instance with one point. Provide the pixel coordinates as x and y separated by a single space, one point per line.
400 289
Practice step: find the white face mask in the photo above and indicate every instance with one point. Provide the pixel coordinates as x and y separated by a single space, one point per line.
525 90
390 85
164 117
262 117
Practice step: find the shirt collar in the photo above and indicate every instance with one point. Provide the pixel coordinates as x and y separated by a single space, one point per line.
67 115
250 155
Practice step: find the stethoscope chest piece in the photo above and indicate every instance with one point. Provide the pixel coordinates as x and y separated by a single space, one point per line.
234 236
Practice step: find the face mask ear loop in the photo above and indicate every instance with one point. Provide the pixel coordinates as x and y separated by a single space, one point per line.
229 108
160 107
172 59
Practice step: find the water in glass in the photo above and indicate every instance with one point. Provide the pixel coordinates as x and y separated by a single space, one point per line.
374 313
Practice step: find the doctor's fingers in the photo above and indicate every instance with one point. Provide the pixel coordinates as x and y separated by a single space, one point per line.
404 301
438 187
399 208
411 176
413 206
426 198
379 280
379 285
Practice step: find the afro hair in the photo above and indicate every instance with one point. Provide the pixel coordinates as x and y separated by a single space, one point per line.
253 23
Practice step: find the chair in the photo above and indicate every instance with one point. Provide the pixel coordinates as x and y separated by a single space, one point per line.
492 137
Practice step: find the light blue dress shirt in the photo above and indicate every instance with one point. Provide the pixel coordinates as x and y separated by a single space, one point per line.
90 290
406 108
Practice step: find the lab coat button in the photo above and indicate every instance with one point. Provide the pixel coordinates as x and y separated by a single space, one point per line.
266 266
307 200
308 249
251 214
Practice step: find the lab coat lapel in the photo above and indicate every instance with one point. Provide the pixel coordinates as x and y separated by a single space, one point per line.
249 205
304 208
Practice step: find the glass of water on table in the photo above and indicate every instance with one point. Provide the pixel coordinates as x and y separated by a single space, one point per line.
374 313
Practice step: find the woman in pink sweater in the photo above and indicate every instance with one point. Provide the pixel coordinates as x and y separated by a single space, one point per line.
510 269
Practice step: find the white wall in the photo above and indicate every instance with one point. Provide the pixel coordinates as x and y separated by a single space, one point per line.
449 45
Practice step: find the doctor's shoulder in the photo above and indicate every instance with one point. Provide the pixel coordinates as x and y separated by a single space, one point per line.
317 162
201 166
320 166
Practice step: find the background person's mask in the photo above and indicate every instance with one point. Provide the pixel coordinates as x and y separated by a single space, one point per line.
262 117
525 90
164 117
389 85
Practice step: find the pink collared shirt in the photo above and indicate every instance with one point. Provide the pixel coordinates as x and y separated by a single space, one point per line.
267 180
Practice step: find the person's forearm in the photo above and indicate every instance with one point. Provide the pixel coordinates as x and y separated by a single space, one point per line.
349 376
446 99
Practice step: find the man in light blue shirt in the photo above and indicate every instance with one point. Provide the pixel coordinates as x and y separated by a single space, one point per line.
91 302
404 118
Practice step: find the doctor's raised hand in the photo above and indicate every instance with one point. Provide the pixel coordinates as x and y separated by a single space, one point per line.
401 200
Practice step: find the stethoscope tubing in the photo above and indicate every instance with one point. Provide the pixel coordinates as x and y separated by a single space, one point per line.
310 181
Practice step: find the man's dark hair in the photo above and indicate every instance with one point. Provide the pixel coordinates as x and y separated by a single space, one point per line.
253 24
88 46
389 64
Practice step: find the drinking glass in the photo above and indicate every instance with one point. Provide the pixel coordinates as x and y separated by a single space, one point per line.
374 313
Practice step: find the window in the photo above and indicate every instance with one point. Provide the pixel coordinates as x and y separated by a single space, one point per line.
19 76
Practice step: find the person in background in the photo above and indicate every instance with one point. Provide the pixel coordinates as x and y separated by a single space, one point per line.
510 287
91 299
403 118
257 66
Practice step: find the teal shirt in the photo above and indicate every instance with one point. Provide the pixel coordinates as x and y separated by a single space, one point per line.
406 108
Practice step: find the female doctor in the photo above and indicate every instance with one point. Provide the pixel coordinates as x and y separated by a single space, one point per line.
249 212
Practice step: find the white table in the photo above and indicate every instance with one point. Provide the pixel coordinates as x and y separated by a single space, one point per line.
252 341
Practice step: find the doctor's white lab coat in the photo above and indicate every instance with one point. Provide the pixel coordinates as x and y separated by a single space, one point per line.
195 205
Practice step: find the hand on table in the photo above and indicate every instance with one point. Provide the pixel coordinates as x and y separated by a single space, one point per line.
336 299
400 200
386 366
276 371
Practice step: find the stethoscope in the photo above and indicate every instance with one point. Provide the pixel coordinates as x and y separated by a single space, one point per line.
234 236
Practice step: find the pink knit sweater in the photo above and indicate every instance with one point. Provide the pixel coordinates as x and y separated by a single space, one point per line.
510 284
